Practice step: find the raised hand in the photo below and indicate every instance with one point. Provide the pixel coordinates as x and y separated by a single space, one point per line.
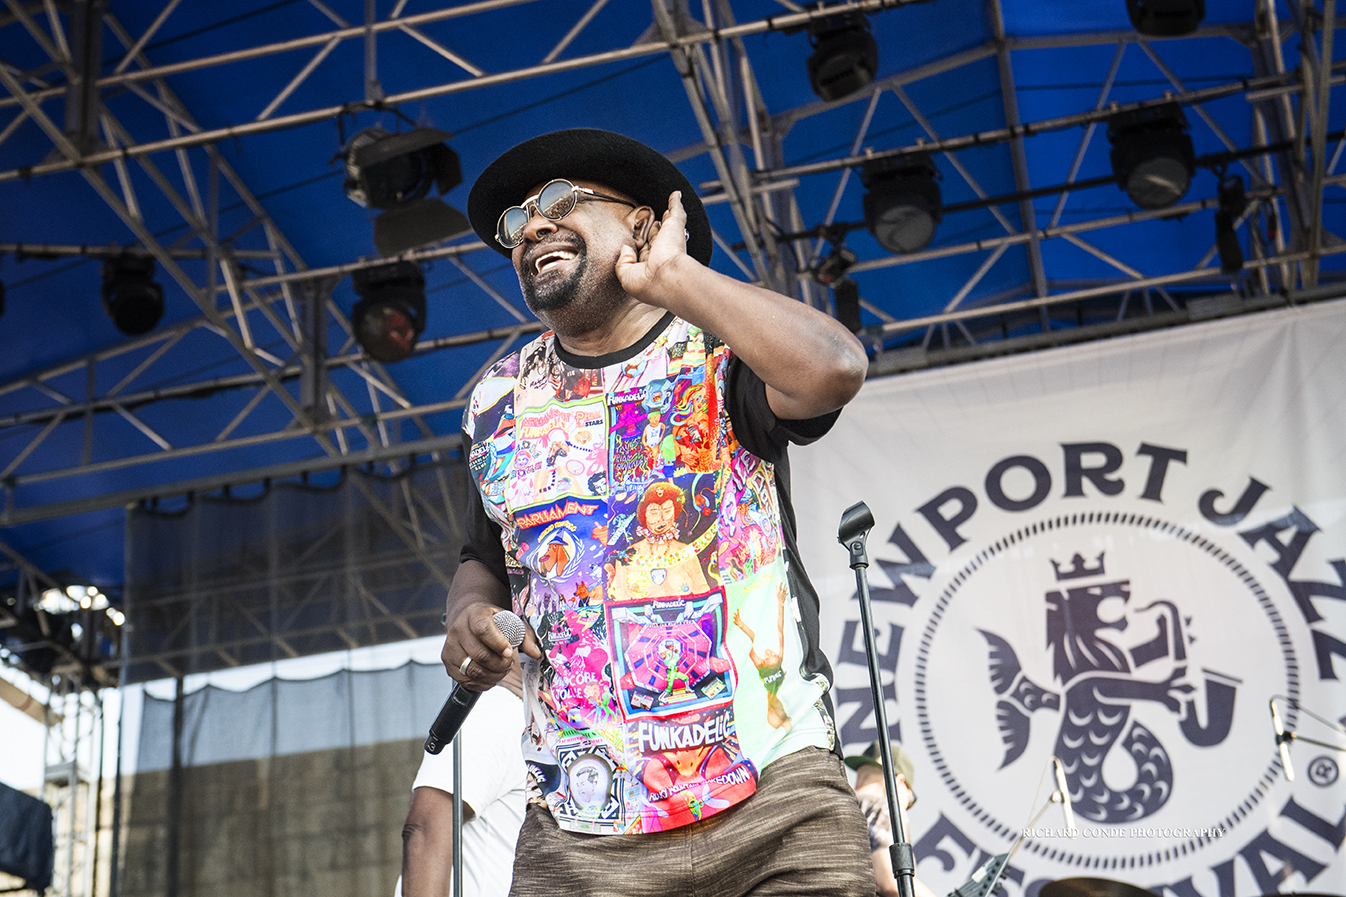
640 271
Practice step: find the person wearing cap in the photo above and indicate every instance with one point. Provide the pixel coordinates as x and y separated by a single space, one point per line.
633 478
871 790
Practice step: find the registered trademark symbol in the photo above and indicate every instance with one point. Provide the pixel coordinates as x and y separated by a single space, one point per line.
1323 771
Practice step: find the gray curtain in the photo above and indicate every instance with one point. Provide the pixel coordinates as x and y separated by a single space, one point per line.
288 788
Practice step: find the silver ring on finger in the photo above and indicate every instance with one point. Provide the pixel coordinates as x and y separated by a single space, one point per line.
462 668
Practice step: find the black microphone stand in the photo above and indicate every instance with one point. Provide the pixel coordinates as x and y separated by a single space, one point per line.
856 522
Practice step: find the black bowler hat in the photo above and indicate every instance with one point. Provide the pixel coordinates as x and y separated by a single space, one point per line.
586 154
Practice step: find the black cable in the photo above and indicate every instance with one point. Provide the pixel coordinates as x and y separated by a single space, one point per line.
828 152
1138 82
972 101
223 23
565 93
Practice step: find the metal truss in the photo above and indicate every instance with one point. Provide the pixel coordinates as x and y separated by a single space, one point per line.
236 314
42 644
262 307
335 584
71 674
73 786
277 357
312 586
1289 178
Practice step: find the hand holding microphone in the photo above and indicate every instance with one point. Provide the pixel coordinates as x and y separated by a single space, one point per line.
461 699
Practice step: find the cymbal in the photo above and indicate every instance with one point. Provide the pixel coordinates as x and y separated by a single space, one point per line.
1092 887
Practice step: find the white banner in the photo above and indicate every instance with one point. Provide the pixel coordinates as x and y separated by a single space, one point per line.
1116 554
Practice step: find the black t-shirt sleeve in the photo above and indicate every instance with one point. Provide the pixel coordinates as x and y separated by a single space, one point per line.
759 431
756 425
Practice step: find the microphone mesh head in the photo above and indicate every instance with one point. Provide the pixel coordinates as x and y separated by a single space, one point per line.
510 626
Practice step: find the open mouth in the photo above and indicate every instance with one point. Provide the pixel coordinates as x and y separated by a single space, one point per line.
552 258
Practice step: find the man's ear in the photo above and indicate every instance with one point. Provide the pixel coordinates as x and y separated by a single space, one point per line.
642 222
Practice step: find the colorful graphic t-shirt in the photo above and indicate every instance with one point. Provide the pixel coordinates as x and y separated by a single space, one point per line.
650 552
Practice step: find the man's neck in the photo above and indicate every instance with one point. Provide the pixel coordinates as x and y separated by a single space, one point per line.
623 328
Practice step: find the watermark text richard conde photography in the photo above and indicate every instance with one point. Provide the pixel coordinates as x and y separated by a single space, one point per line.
1113 832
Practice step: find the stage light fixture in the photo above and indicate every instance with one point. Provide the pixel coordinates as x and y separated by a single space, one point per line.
846 296
131 298
1165 18
1233 201
831 272
1152 155
390 315
845 55
395 173
902 202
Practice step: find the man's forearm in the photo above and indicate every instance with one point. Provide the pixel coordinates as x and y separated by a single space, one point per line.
427 844
426 867
810 362
474 583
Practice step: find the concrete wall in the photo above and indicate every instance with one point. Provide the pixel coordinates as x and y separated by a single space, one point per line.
322 823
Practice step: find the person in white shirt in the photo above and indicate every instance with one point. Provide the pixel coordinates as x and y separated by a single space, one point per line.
493 803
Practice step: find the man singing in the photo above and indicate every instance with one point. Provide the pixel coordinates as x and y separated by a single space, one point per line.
658 761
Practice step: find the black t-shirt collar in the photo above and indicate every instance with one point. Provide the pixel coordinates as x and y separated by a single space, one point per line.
593 362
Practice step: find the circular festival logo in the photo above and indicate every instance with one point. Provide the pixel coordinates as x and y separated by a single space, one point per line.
1114 642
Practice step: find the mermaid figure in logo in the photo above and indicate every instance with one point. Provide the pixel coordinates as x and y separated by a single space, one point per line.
1100 687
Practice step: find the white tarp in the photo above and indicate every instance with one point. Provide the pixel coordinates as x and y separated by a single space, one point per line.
279 716
1117 554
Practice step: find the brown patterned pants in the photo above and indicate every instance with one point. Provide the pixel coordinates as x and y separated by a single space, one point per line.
801 833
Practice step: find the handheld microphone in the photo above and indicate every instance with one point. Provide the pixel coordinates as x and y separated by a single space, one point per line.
1282 742
461 700
1064 791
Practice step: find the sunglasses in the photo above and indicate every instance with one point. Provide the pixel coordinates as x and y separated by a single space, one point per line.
553 202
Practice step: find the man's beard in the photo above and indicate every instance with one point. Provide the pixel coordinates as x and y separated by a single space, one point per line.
556 292
578 302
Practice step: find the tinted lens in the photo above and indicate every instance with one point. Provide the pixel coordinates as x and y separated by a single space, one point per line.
556 200
509 230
